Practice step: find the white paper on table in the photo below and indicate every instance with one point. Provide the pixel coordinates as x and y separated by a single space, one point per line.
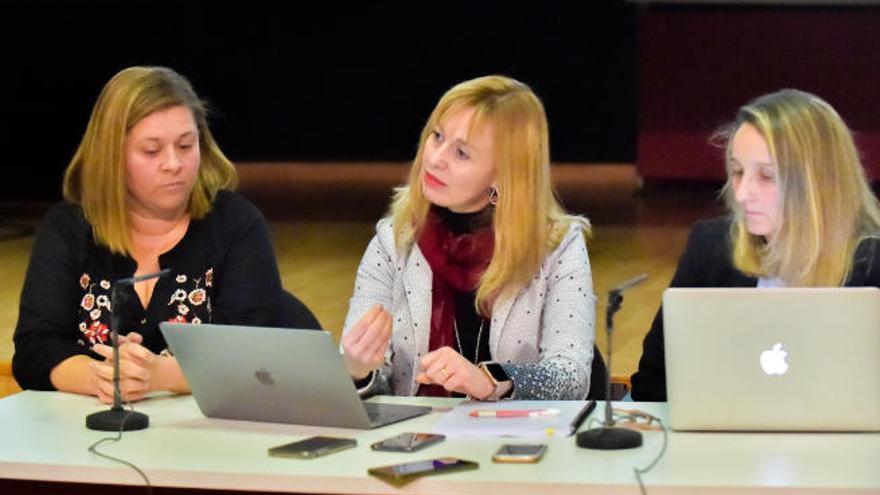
459 423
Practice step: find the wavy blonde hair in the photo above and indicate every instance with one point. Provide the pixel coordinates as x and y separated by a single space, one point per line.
528 221
95 177
827 206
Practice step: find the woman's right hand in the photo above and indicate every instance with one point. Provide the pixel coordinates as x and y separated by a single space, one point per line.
364 346
83 374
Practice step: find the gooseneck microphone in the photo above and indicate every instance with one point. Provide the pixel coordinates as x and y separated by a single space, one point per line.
608 437
116 418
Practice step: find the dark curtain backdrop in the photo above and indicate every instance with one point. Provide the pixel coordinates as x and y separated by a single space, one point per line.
350 81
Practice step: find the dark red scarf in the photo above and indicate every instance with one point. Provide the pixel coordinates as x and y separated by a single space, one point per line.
457 262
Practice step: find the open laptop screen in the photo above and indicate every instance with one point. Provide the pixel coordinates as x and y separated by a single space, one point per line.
773 359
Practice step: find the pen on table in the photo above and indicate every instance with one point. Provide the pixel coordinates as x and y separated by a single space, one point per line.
582 415
513 413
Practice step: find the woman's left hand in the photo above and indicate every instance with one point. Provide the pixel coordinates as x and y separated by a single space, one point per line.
450 370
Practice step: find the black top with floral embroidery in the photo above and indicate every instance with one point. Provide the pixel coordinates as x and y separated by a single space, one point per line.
222 271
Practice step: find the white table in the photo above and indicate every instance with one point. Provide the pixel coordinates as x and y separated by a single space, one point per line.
44 438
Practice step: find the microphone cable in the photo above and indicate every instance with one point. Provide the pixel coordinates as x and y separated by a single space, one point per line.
93 448
627 415
640 471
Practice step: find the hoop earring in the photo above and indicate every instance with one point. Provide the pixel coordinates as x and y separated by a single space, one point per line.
493 195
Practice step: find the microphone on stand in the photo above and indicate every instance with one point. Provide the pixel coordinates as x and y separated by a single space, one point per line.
116 418
608 437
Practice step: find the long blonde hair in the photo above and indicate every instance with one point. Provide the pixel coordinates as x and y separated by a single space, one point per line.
826 204
95 177
528 221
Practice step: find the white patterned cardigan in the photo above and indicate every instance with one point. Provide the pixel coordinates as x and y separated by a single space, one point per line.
543 337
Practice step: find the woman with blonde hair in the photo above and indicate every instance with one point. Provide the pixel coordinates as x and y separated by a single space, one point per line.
802 214
148 189
477 282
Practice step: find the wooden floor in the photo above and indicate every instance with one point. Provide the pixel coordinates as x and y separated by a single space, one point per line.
322 218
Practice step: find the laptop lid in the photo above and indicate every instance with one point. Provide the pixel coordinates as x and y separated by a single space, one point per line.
274 375
773 359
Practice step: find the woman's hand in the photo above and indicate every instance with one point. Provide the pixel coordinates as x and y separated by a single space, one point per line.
140 370
452 371
364 346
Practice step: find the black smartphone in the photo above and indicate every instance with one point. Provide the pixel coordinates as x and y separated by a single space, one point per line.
312 447
520 453
408 470
408 442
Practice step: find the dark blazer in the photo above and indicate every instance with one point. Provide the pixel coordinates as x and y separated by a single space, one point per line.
707 262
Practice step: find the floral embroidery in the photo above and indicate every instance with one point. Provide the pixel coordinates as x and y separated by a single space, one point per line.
103 302
197 297
92 328
97 332
178 296
189 299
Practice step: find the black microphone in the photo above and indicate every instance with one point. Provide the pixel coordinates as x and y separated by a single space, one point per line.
116 419
607 437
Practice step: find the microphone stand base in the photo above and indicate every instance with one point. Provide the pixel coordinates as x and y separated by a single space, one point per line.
609 438
117 420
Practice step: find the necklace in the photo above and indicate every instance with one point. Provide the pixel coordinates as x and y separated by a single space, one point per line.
458 339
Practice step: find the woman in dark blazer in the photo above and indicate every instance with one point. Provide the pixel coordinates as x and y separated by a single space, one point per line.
801 214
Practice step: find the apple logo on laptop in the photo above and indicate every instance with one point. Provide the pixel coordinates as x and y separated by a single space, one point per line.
264 376
773 361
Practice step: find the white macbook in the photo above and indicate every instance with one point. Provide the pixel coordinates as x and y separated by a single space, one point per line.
275 375
773 359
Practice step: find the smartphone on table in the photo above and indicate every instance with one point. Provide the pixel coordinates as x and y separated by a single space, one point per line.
408 442
520 453
312 447
397 473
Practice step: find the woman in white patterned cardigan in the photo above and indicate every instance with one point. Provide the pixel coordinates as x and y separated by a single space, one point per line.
477 283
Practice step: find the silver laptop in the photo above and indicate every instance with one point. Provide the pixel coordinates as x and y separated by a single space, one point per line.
773 359
275 375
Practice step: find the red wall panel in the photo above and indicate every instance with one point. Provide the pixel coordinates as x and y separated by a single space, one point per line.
697 65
